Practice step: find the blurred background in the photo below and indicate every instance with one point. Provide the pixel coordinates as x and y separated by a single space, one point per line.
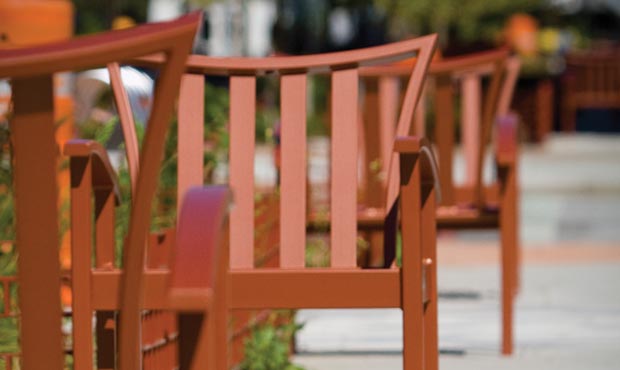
542 32
568 310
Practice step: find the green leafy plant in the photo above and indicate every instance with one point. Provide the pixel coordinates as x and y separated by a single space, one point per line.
269 345
8 255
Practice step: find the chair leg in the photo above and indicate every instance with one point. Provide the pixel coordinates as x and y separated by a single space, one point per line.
412 293
509 259
413 325
221 310
223 343
507 299
515 244
429 255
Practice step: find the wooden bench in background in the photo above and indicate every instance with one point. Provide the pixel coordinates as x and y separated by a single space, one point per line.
591 81
473 204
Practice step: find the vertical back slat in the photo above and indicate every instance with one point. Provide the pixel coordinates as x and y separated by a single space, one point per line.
590 84
388 110
81 239
419 120
242 126
293 184
602 78
608 73
344 167
104 228
369 147
581 81
489 112
127 123
470 119
190 134
513 65
444 134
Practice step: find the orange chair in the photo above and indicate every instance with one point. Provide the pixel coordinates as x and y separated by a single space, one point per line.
189 287
291 285
473 204
343 284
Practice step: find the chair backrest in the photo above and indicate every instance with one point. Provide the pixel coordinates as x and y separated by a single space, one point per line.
343 67
594 78
30 71
476 119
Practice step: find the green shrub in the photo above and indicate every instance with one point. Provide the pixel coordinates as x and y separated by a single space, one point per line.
269 345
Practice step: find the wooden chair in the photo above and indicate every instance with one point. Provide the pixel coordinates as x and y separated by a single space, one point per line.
189 288
592 80
473 204
343 284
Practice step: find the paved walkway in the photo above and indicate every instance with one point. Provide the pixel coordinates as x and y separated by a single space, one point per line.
568 312
567 316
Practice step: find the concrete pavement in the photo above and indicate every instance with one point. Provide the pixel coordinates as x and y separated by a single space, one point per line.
568 312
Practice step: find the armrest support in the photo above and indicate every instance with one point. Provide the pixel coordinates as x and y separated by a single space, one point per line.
418 185
201 253
506 140
418 175
103 175
406 146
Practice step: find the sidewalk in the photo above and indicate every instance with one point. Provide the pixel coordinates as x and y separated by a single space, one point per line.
567 317
568 312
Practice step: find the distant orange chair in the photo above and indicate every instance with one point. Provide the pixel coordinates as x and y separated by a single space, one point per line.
591 80
343 284
471 205
190 287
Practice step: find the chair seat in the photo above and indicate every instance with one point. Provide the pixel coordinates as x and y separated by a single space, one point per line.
460 216
467 217
367 219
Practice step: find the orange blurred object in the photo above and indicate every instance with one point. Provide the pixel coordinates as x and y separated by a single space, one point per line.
30 22
520 33
122 22
66 295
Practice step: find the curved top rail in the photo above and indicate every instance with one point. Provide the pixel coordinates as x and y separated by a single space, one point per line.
103 174
89 51
201 64
470 62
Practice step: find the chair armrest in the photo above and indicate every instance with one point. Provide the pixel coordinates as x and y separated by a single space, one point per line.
408 145
414 152
506 140
103 176
201 252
